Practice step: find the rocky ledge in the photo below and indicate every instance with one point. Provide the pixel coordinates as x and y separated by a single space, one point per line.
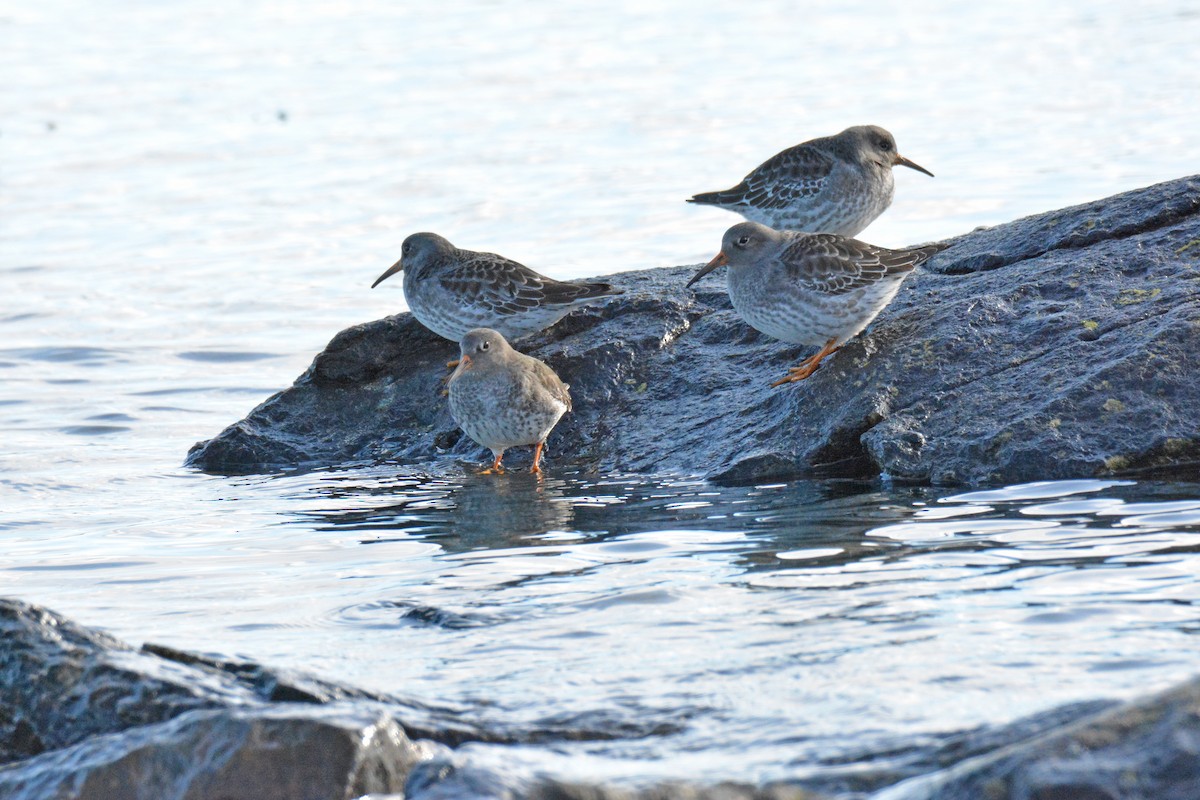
1062 345
87 717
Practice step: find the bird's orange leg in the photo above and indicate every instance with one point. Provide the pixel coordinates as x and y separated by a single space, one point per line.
809 365
537 459
495 468
452 364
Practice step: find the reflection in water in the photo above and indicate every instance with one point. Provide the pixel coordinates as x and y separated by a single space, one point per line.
486 512
724 619
471 511
464 513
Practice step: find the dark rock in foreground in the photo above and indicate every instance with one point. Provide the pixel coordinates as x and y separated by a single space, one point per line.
61 683
289 752
83 715
1057 346
1146 749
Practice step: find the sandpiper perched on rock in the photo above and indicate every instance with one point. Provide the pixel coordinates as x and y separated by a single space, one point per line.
452 291
502 398
816 289
835 184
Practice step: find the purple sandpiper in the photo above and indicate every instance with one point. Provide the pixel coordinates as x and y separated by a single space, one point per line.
835 184
816 289
502 398
451 291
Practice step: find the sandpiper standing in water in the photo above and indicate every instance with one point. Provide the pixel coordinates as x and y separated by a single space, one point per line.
835 184
816 289
502 398
452 291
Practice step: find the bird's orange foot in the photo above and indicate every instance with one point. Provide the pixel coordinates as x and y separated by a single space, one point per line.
452 364
495 468
809 365
796 374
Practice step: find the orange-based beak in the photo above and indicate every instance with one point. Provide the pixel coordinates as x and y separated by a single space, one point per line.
399 265
464 362
901 160
718 261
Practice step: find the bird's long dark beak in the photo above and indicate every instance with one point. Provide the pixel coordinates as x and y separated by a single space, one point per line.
718 261
392 270
902 161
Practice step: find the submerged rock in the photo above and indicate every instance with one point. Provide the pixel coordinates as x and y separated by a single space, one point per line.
1057 346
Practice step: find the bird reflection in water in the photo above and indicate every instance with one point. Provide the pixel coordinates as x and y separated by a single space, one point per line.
466 512
500 513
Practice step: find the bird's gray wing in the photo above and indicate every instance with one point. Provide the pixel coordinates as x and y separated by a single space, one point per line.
797 172
831 264
549 380
507 287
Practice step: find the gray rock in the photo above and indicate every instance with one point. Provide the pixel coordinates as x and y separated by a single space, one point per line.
859 775
443 722
110 721
289 752
61 683
1145 750
1060 345
84 715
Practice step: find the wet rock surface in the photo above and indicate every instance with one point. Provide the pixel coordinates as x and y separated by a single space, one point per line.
61 683
288 752
1146 749
1060 345
83 715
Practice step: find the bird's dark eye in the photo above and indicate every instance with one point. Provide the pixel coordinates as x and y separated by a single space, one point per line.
484 345
884 144
742 242
404 248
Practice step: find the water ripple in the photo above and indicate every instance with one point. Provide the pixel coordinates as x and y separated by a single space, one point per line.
225 356
89 356
93 430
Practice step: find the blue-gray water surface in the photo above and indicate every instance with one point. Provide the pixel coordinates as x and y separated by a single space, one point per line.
195 197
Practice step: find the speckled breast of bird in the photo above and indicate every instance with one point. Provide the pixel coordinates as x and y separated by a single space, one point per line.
499 412
803 317
854 199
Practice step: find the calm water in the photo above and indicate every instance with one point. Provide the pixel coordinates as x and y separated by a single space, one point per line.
195 198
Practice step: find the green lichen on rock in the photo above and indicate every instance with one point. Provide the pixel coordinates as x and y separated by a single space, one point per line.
1177 447
1116 463
1193 245
1129 297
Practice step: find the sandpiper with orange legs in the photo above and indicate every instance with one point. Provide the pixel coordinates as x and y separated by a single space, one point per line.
816 289
502 398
